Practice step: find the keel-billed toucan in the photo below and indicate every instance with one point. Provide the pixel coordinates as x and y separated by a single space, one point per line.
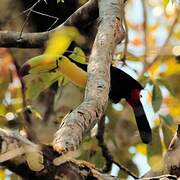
122 86
57 58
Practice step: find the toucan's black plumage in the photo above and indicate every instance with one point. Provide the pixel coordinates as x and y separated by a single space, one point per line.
124 86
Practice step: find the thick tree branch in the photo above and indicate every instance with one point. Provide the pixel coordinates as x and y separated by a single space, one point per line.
31 161
80 18
84 117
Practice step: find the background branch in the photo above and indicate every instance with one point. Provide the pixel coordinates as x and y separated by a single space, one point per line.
83 16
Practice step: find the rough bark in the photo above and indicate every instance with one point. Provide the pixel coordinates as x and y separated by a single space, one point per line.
15 150
84 117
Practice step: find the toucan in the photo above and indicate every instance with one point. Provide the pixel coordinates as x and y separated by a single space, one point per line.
122 86
57 57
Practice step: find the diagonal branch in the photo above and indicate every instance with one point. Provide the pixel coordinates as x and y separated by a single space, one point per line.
84 117
80 18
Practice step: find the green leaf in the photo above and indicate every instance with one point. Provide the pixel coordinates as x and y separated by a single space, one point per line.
156 98
165 2
78 55
166 85
36 83
168 119
167 135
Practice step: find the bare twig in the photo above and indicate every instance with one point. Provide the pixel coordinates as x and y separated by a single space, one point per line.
47 15
165 176
51 95
145 31
80 18
156 57
104 149
27 119
27 17
106 154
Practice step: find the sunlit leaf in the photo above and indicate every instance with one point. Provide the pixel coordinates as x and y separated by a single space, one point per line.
136 42
141 148
78 55
2 174
154 69
36 83
173 105
172 67
168 119
165 2
164 83
153 27
129 56
156 98
156 162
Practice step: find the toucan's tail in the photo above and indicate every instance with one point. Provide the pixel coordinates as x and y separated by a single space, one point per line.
142 122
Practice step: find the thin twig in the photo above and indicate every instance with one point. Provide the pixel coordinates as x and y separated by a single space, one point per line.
27 17
105 151
156 57
145 31
47 15
169 176
126 170
27 119
50 103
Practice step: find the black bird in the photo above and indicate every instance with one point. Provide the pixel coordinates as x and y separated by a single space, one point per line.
124 86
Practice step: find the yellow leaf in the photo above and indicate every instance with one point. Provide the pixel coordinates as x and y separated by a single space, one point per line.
172 67
141 148
129 56
173 105
154 69
2 174
153 27
176 34
136 42
157 122
156 162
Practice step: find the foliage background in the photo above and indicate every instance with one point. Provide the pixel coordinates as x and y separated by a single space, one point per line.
152 57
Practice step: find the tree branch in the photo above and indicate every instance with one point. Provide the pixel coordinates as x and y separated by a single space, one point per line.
80 18
85 116
31 161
